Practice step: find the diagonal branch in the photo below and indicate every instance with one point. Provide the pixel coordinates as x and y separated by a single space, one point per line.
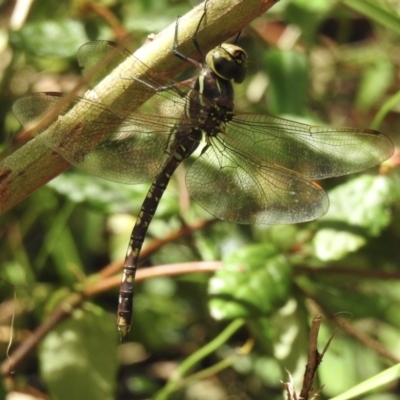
33 165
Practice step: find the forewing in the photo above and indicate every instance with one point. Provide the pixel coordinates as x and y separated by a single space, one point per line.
316 152
119 141
99 58
252 191
126 150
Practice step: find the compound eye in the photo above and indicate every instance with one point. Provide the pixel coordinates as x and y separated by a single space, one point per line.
229 62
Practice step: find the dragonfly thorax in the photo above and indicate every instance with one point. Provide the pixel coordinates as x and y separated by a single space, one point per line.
228 61
211 102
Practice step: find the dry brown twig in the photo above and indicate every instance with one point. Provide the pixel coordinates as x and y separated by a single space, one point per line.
314 359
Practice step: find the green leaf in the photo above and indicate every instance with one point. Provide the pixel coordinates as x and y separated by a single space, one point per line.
288 74
106 196
353 299
254 281
389 375
358 209
308 15
377 11
333 244
78 359
376 79
60 245
346 360
283 237
55 38
283 334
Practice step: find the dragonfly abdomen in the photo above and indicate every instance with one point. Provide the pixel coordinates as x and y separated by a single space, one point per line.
184 145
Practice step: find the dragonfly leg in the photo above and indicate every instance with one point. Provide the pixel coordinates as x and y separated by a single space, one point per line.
195 41
163 88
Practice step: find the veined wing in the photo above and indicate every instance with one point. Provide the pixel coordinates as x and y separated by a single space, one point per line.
114 141
109 55
232 187
260 168
131 149
316 152
99 58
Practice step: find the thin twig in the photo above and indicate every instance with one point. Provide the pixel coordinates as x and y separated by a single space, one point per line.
362 273
353 331
153 272
314 358
155 244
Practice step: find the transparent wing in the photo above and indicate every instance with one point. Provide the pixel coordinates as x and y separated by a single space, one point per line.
316 152
259 169
114 141
99 58
126 150
235 188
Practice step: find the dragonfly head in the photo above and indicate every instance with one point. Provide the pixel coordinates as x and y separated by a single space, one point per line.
228 61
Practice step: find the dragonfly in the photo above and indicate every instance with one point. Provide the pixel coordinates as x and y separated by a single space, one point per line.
249 168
